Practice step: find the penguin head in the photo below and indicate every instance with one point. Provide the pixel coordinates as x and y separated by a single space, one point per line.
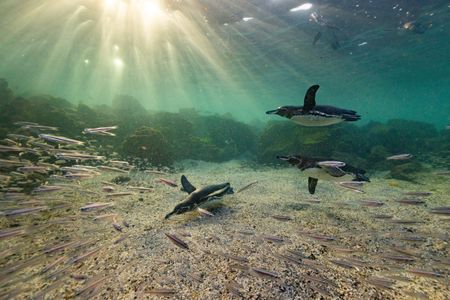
362 177
292 159
179 209
284 111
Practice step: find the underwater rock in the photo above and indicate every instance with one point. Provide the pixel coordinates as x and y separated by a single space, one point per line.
128 106
150 144
401 136
406 171
284 137
6 94
178 131
276 138
231 137
377 157
46 110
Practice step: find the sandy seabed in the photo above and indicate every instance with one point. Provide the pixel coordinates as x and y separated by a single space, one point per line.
273 240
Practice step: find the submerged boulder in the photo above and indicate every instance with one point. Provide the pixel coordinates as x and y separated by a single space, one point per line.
6 94
150 144
406 171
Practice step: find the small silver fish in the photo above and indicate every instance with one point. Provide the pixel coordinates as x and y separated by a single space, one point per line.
380 282
47 188
119 164
108 189
78 169
410 201
425 273
204 212
372 203
18 137
24 211
282 218
168 182
247 186
77 156
162 292
177 241
33 169
418 194
90 287
405 156
264 273
120 194
24 123
355 186
78 176
443 173
120 238
4 148
156 172
85 255
444 210
12 163
139 188
96 218
10 142
40 127
112 169
96 206
60 247
117 227
100 130
60 139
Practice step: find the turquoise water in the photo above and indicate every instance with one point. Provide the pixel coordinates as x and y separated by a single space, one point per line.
181 54
120 118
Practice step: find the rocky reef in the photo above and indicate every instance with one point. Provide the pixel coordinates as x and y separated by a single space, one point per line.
162 138
150 144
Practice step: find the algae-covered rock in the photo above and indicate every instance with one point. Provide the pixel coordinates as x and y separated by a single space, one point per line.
276 139
401 136
179 131
232 137
6 95
281 138
150 144
377 157
406 171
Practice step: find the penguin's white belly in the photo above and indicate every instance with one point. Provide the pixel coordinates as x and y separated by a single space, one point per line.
315 120
321 174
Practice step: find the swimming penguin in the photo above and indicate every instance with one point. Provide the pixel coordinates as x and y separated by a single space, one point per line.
198 197
330 170
311 114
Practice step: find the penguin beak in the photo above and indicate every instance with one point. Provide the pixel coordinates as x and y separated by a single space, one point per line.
362 177
169 214
272 112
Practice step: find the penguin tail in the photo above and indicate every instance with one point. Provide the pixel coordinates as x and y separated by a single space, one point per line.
351 118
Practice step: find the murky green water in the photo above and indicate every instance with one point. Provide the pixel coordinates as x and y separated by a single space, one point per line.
179 54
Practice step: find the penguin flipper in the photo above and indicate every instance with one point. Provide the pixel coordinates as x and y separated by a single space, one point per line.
187 186
312 183
310 98
334 171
